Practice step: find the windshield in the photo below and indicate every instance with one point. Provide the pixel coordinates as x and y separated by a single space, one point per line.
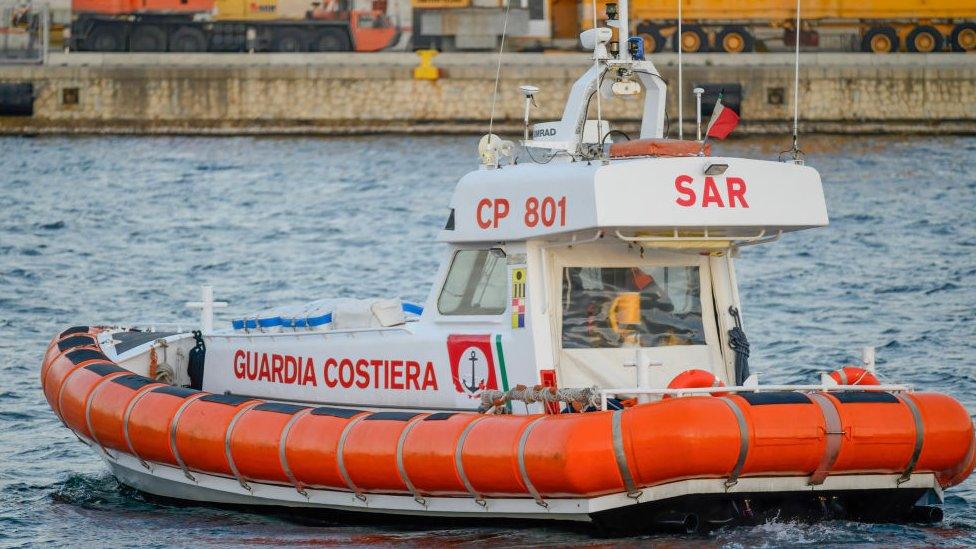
607 307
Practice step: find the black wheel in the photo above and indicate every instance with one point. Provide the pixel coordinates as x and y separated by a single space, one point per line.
924 39
331 40
147 38
734 40
288 41
963 37
106 39
880 40
693 39
651 34
188 40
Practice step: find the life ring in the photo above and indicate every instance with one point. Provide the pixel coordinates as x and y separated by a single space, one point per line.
695 379
853 375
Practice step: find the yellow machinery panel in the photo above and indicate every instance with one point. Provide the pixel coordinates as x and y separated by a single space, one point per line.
439 4
261 10
767 10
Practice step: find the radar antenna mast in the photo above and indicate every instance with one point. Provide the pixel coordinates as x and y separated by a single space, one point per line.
795 150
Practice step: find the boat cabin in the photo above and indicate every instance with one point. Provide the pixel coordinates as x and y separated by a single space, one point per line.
600 265
580 264
566 274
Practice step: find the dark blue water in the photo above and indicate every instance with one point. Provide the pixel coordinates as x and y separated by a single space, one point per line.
126 229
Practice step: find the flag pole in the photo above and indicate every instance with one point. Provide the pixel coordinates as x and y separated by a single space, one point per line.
704 141
681 114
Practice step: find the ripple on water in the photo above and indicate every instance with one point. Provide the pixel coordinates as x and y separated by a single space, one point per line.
86 220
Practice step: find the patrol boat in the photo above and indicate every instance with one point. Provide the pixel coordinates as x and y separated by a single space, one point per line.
581 357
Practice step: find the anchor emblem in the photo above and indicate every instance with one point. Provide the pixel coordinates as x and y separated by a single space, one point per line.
474 385
472 365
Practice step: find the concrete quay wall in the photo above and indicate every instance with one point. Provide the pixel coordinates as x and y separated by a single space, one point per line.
370 93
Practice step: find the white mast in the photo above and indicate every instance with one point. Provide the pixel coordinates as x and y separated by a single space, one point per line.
624 30
681 110
796 88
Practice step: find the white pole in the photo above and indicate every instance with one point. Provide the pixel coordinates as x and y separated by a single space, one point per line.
624 30
206 306
599 104
498 70
867 358
698 96
681 114
207 310
796 83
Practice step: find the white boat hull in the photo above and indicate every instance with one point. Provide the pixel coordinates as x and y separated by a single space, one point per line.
171 482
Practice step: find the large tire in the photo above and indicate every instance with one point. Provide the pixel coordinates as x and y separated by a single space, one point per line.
331 40
188 40
105 38
694 39
288 41
147 38
963 37
734 39
651 34
924 39
880 40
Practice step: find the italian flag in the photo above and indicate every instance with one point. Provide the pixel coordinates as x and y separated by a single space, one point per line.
722 122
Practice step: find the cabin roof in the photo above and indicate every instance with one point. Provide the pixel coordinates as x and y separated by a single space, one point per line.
530 201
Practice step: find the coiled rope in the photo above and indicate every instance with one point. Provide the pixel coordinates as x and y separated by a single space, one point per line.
494 401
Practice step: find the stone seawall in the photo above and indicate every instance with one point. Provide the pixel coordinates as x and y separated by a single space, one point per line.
370 93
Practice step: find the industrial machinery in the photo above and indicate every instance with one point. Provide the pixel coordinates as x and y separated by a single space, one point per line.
229 26
478 24
731 26
735 26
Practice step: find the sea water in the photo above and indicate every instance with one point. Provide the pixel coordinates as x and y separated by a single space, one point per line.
126 229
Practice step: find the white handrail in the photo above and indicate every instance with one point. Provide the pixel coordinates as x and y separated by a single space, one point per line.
605 393
759 238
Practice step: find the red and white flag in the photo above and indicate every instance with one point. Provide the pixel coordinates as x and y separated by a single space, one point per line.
722 122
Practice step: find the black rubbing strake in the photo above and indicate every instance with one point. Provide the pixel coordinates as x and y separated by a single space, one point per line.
280 408
181 392
335 412
104 368
784 397
75 341
73 330
439 416
133 381
81 355
392 416
859 397
230 400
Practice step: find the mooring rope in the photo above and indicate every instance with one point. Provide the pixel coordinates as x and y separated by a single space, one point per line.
494 401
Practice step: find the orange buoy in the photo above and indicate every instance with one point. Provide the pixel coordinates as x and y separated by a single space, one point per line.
659 147
695 379
853 375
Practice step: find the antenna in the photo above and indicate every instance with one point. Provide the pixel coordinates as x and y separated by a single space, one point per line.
681 112
498 68
599 80
797 153
529 92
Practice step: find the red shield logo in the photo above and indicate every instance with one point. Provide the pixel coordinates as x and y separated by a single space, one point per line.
472 364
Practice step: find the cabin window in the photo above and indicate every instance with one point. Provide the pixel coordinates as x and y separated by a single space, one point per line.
476 284
628 306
